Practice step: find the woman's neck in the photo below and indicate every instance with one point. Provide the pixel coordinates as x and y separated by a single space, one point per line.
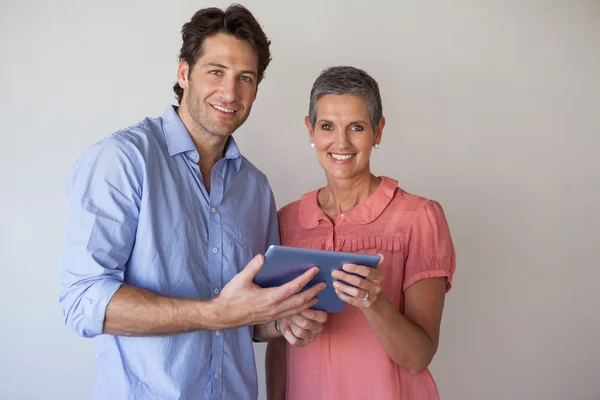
343 195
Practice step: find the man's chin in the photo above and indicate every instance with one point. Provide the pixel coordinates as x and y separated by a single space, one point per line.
224 130
224 133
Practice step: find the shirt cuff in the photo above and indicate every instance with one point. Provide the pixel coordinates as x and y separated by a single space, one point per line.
96 300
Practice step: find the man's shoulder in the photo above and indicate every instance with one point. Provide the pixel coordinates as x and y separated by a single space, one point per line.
254 173
139 137
129 146
136 142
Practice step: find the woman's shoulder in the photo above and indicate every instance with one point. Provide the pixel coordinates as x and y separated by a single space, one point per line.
416 213
305 204
289 209
406 207
412 202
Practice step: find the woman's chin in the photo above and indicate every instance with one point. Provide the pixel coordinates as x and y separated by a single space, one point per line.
345 173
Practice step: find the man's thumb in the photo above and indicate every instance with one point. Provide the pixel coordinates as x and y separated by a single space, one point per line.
254 266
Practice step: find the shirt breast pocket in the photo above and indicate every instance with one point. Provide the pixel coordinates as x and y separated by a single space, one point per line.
244 230
240 244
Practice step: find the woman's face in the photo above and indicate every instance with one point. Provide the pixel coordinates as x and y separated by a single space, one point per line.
343 135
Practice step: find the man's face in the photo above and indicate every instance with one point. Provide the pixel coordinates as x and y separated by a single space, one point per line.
220 88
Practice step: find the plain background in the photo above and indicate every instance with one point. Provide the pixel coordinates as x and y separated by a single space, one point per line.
493 109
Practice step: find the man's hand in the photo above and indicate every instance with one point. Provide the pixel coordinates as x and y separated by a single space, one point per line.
243 303
302 329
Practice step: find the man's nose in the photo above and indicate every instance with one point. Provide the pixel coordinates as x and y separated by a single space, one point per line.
229 89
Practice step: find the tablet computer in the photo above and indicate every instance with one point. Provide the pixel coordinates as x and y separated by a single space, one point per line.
283 264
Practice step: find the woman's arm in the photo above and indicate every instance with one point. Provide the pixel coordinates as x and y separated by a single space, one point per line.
276 366
410 339
298 330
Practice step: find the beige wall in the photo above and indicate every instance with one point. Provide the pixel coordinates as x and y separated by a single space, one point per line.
493 109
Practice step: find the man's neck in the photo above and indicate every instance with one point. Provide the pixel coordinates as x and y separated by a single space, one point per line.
210 147
210 151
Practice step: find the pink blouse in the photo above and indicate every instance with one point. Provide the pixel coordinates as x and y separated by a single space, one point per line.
347 361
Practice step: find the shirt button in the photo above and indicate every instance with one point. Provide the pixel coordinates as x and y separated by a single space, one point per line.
194 155
216 291
216 376
213 210
343 215
215 250
218 333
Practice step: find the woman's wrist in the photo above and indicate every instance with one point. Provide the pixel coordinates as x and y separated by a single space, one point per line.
277 327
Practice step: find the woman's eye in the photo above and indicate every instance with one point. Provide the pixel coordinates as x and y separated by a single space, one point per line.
326 127
357 128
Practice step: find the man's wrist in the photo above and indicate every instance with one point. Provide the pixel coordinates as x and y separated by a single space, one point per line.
213 314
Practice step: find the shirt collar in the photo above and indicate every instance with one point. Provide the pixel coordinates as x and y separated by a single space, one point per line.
310 213
179 140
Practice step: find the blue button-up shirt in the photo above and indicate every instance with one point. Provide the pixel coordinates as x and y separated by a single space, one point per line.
140 214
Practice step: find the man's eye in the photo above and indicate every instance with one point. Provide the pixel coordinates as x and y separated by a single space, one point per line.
216 72
246 79
357 128
326 127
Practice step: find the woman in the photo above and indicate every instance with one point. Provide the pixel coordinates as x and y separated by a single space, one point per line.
380 345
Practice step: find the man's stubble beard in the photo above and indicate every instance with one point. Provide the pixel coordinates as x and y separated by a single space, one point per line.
200 113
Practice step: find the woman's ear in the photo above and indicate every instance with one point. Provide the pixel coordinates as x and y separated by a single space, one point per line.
379 131
309 127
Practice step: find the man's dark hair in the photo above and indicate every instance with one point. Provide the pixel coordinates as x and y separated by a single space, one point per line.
236 21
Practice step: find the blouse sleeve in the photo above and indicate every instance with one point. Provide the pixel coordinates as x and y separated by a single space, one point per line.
430 251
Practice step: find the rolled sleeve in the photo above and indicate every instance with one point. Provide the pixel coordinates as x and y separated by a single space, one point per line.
104 194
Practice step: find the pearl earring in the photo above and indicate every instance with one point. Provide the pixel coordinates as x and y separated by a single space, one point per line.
312 145
376 145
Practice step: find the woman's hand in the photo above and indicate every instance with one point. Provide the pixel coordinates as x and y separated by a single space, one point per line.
367 286
303 328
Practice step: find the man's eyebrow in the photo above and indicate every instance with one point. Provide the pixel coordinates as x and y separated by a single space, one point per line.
216 64
249 72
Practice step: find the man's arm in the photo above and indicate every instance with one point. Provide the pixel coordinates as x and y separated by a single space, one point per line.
137 312
104 195
134 311
267 332
104 191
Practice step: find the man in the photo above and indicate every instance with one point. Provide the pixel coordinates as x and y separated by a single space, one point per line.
163 217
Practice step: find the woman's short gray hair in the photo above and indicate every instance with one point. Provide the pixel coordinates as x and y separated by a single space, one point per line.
346 80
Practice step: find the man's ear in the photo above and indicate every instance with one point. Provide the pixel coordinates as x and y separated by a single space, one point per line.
183 73
255 94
